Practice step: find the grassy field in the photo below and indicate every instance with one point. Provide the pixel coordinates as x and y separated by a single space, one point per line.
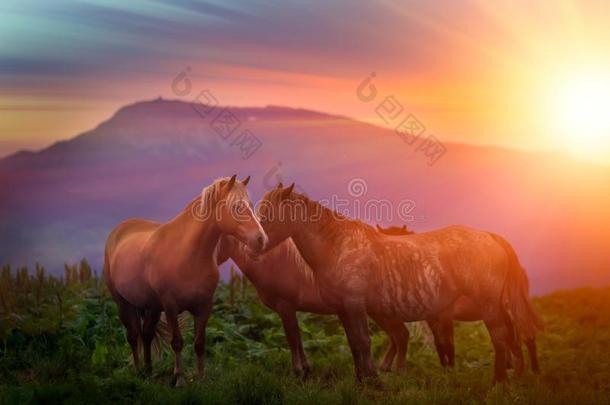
62 343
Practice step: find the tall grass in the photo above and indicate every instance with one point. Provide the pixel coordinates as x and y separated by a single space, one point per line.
61 341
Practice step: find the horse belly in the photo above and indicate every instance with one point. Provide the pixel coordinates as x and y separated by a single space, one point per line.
134 289
465 309
311 301
130 282
186 291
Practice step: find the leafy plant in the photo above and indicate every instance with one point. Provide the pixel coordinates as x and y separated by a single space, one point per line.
61 341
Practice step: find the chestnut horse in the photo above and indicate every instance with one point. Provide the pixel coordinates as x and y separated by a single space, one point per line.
152 267
462 310
360 271
286 284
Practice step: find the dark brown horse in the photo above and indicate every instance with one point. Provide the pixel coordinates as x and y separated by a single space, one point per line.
414 277
152 267
462 310
285 283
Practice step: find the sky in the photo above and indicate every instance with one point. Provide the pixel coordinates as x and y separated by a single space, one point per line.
521 74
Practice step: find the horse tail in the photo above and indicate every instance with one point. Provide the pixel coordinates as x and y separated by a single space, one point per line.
515 297
533 352
163 335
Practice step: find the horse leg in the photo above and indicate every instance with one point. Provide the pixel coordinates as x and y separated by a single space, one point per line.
130 318
515 354
354 320
399 336
439 341
177 342
201 321
304 362
499 337
151 318
533 352
293 335
449 346
388 358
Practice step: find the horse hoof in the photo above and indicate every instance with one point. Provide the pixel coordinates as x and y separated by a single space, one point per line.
301 373
372 382
180 382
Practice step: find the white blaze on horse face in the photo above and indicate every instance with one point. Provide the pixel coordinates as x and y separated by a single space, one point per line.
260 237
248 230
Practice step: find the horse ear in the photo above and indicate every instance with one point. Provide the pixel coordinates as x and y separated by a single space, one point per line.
286 192
280 185
404 227
231 182
245 181
379 228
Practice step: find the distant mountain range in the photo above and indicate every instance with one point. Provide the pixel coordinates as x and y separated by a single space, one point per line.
151 158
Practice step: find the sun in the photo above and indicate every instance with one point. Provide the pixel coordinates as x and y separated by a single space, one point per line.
581 113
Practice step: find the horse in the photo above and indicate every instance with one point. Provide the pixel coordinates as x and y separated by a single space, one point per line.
153 267
285 284
463 310
416 277
394 230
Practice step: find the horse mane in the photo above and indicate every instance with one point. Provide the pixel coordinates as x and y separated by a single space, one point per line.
332 223
286 252
292 253
395 230
210 194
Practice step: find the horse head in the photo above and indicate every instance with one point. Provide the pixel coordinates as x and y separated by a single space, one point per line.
394 230
234 212
277 213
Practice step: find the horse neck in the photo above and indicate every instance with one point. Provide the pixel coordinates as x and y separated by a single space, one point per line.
199 237
237 252
314 241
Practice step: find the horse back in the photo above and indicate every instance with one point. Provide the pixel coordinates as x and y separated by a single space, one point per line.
425 272
127 228
475 259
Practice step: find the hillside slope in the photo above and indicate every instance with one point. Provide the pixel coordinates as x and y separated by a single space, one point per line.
151 158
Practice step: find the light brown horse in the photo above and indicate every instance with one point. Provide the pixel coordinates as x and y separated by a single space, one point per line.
152 267
414 277
285 283
464 310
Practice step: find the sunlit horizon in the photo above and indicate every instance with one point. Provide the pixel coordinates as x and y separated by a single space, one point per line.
522 76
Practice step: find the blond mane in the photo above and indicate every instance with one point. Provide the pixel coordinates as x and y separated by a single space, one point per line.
211 194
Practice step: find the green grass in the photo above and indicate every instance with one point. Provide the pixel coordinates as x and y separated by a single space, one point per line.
63 343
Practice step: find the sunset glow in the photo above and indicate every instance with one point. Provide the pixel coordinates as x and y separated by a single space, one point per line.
519 75
305 201
582 113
